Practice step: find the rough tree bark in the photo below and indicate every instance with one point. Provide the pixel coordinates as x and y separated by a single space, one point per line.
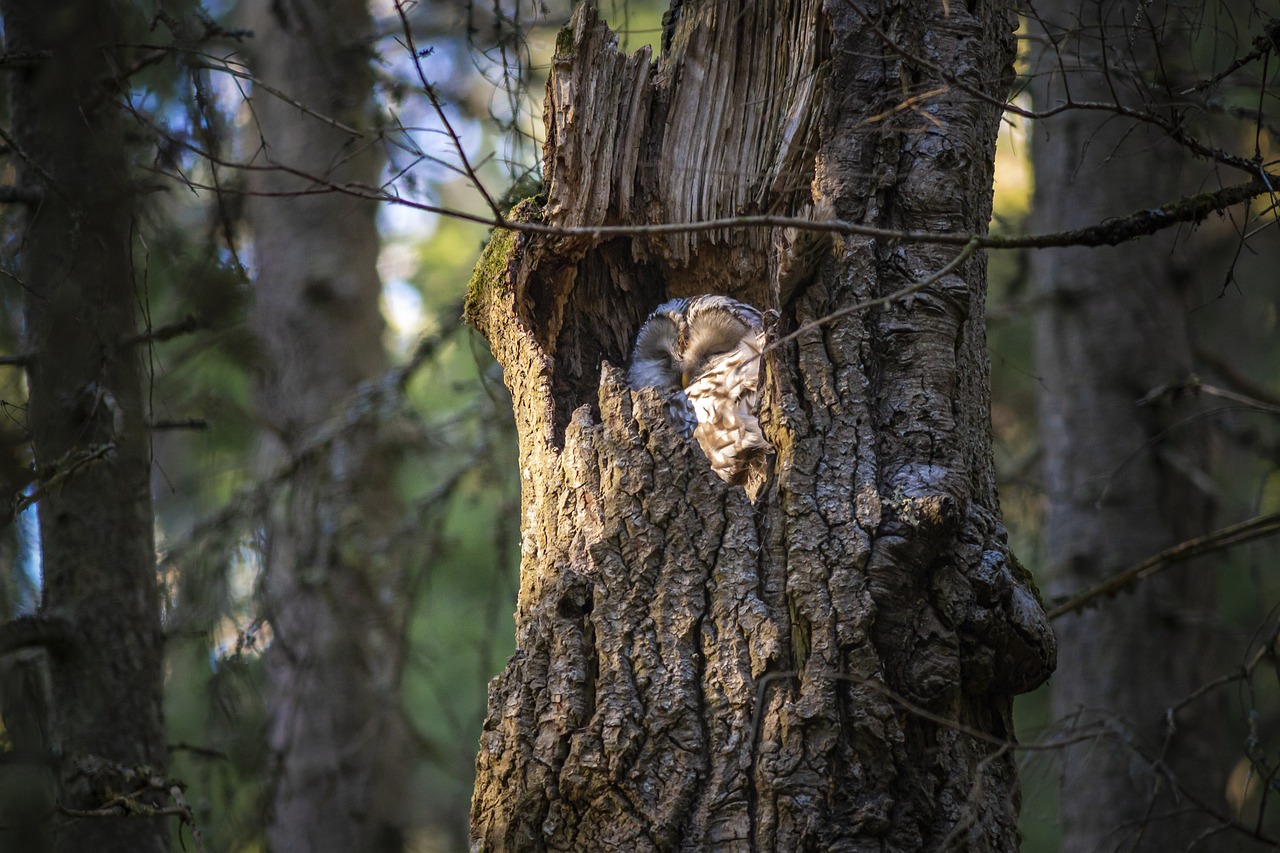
1120 475
87 419
337 739
830 666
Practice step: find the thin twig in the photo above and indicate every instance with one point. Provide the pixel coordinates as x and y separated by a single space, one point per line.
1232 374
370 401
439 108
1140 223
914 287
1171 129
1236 534
1263 44
271 90
185 326
60 472
179 423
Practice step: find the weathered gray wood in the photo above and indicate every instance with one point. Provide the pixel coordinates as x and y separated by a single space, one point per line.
695 670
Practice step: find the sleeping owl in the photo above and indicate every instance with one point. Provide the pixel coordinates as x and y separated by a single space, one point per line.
703 354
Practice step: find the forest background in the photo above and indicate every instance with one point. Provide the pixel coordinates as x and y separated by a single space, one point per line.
451 123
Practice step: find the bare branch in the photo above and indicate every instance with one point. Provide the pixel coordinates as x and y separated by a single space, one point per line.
26 158
1237 397
902 293
1263 45
439 108
179 423
1173 129
370 401
1236 534
49 632
1264 651
23 61
132 805
57 474
1141 223
1234 376
271 90
185 326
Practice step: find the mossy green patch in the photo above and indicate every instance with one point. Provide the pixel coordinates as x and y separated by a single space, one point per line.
490 271
564 43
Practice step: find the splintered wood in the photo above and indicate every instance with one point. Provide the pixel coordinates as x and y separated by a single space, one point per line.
729 109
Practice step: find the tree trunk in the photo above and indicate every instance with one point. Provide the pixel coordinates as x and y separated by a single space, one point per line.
88 421
830 665
336 735
1120 475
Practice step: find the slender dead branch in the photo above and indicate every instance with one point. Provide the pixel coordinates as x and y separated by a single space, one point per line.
1233 375
1171 128
1140 223
902 293
23 61
130 805
1263 45
1263 652
60 472
430 91
26 158
1237 397
271 90
185 326
179 423
372 400
25 632
1237 534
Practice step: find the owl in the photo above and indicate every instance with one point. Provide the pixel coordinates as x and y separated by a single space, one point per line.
703 354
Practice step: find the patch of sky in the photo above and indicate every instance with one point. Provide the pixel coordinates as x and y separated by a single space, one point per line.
27 561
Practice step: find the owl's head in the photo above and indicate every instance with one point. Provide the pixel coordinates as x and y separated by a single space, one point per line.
714 326
683 336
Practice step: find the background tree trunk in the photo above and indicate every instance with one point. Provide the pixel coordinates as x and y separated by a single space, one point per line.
88 420
337 738
1121 476
833 664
